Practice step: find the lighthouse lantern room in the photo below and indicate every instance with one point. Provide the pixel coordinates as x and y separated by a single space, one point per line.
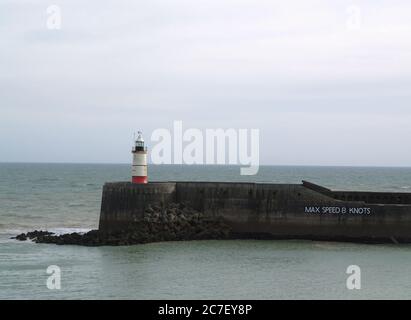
139 169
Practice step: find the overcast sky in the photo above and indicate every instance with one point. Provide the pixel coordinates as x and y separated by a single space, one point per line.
322 90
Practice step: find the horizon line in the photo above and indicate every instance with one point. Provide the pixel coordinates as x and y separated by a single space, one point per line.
201 165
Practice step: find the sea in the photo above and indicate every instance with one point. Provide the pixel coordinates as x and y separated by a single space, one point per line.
66 198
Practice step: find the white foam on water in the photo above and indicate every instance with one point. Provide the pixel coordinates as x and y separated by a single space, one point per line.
65 230
7 234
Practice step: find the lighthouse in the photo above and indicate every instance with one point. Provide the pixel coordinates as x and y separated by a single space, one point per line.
139 169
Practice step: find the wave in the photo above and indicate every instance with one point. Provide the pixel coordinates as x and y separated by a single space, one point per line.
76 205
14 231
65 230
45 179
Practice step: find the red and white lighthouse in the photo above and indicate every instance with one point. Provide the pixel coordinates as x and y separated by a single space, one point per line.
139 170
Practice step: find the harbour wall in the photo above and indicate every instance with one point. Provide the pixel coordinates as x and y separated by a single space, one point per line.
272 211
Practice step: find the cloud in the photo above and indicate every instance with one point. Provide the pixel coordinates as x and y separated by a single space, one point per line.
117 66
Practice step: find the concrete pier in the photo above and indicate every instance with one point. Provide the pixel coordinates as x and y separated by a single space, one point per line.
272 211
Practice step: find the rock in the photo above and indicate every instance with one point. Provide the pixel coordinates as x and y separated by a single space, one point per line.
21 237
149 209
171 223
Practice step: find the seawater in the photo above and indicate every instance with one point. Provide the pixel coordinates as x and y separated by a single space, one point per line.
66 198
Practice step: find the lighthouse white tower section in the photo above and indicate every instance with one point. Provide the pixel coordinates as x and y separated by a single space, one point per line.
139 169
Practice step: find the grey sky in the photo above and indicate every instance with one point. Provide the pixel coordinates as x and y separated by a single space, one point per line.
321 93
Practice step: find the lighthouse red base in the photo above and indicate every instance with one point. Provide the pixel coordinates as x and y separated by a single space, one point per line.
139 180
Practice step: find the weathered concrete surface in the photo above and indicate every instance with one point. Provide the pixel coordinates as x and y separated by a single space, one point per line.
123 203
277 211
